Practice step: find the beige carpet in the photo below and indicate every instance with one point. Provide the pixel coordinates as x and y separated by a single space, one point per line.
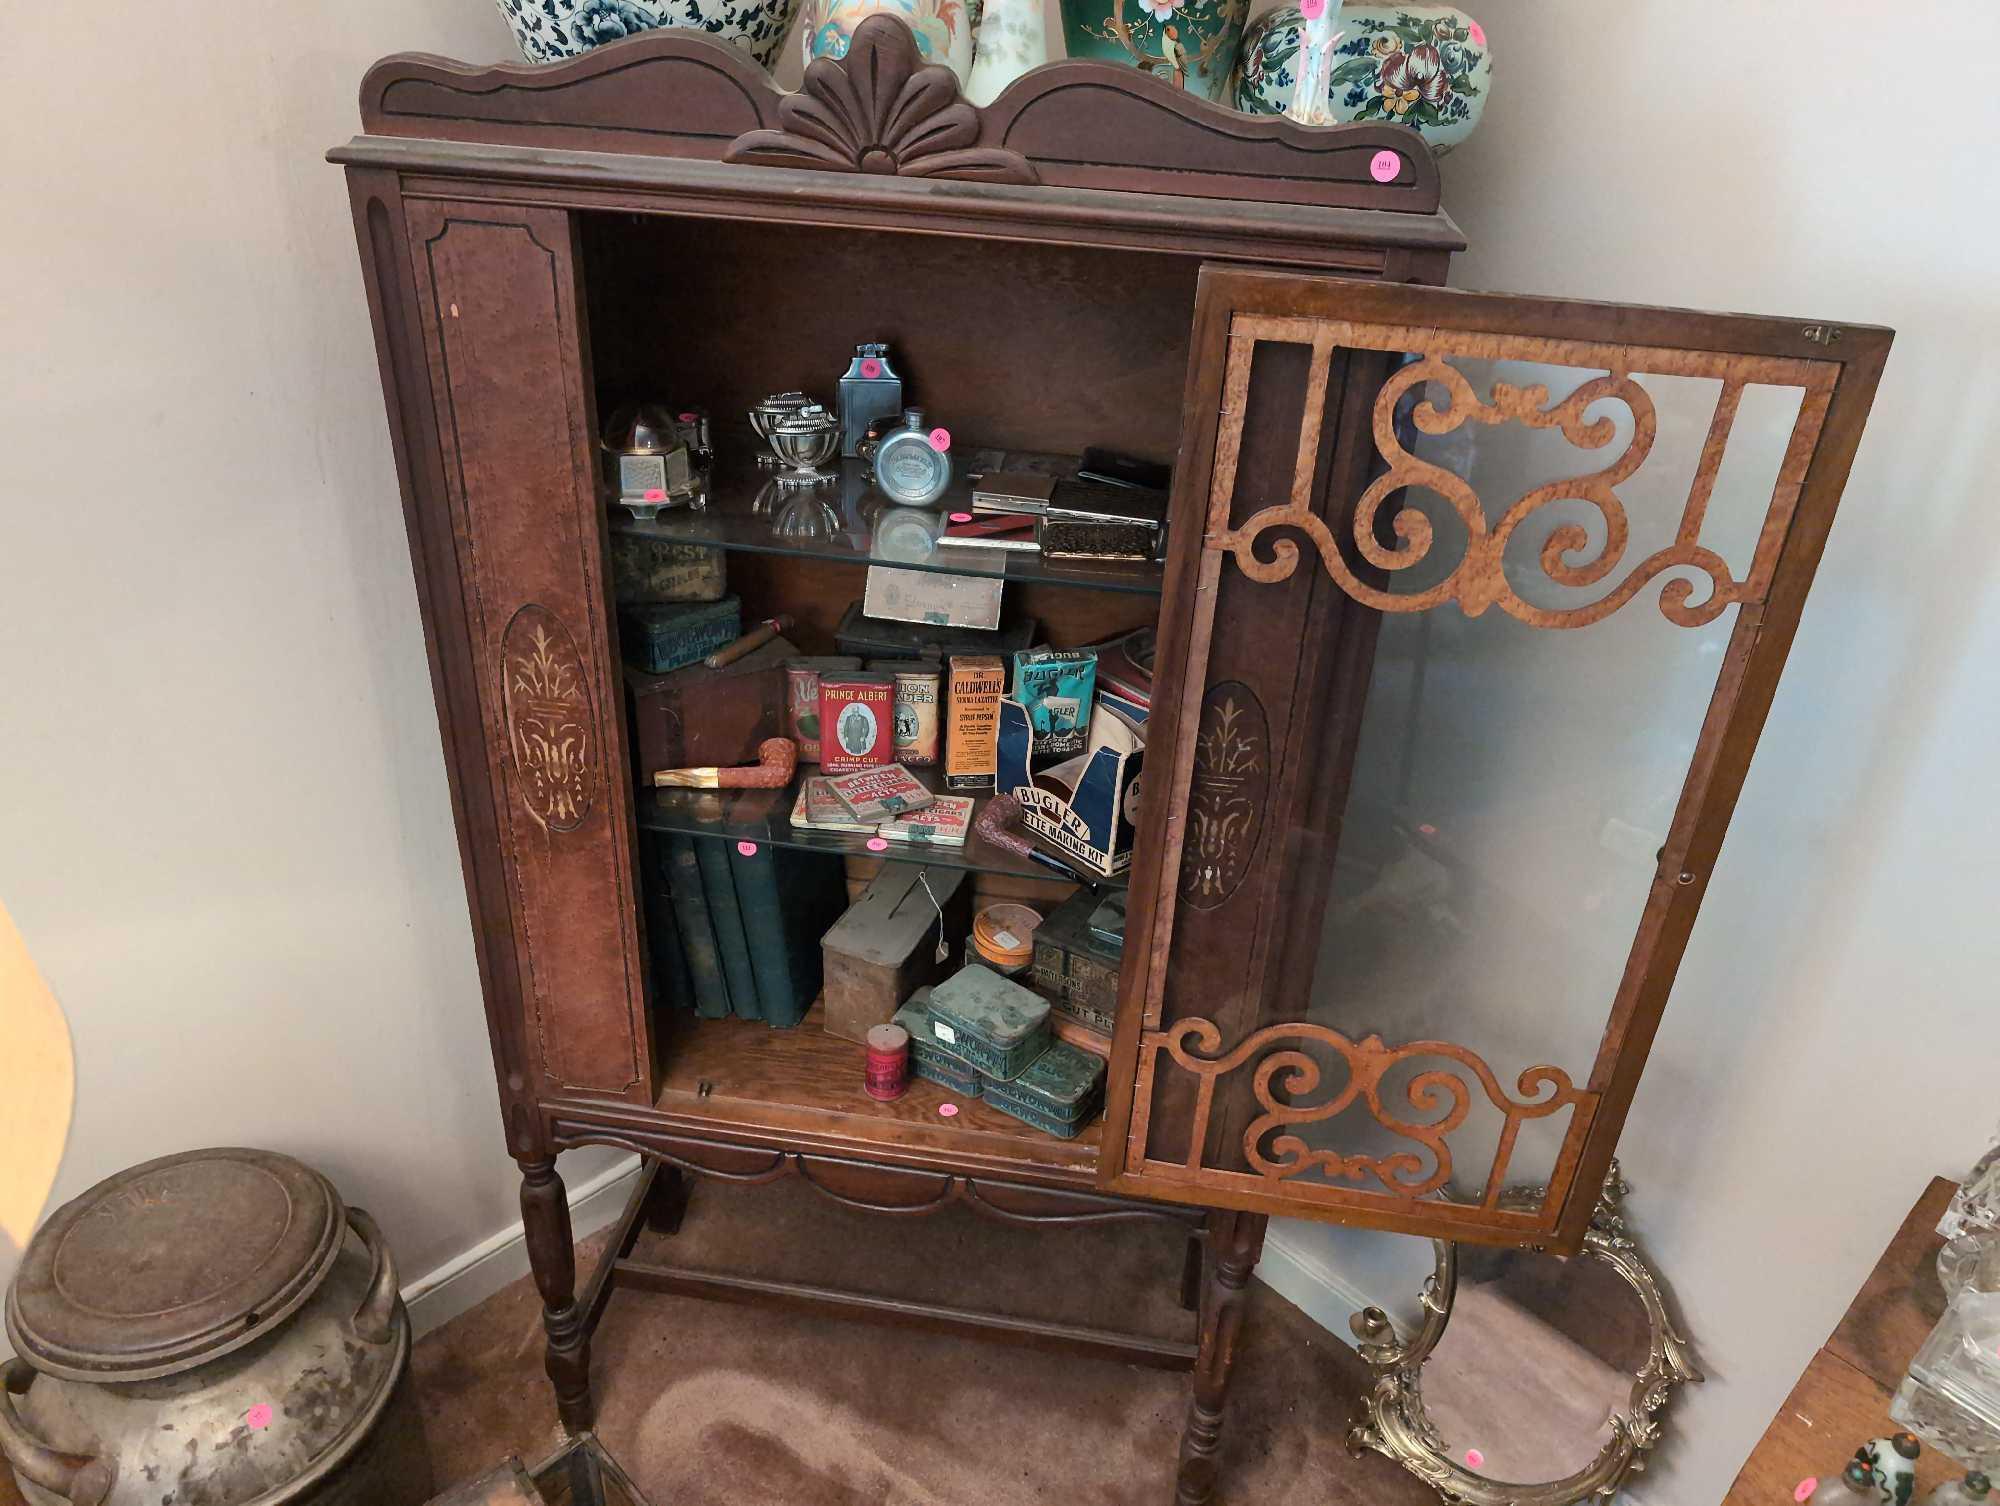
707 1404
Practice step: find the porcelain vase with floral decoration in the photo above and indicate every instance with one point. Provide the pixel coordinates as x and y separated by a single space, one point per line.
1423 66
944 29
548 30
1013 37
1190 43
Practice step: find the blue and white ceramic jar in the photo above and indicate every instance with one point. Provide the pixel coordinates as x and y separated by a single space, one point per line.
1423 66
548 30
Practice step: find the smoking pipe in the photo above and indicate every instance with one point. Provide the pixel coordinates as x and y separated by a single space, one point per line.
996 823
777 760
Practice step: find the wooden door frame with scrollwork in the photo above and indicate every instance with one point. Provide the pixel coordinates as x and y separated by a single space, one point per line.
1288 532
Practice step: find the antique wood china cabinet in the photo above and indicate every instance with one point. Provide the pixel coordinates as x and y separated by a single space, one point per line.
1469 615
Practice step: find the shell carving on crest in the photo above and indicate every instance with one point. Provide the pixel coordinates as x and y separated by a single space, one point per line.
878 111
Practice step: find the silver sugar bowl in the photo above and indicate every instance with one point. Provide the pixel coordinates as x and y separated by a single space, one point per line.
804 441
764 417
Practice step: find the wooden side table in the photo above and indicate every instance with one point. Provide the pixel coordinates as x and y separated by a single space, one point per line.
1843 1397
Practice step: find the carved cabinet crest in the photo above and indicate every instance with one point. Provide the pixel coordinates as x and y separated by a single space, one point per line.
550 725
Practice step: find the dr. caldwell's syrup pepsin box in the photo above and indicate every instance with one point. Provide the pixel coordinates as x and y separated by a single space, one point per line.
973 730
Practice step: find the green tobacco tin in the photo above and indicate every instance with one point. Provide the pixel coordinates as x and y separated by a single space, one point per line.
1074 966
658 636
998 1026
928 1059
1061 1091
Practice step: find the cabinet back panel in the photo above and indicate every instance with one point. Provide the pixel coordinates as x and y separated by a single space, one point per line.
1016 345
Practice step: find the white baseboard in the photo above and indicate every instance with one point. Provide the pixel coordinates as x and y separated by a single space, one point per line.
464 1281
1311 1285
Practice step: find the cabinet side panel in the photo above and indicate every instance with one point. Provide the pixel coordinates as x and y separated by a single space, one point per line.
498 296
386 267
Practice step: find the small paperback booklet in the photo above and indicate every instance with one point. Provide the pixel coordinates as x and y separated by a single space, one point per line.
818 808
878 793
942 823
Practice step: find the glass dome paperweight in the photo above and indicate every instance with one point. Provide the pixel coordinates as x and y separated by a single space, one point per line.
648 461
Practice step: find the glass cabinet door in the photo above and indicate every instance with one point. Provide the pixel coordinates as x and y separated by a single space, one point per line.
1477 604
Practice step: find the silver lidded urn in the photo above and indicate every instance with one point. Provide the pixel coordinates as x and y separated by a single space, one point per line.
215 1326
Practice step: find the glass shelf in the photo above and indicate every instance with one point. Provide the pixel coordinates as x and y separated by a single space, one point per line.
836 521
763 816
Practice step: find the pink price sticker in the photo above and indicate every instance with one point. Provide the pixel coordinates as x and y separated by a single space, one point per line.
940 440
1385 165
654 494
1473 1458
878 844
871 368
1478 34
947 1111
961 517
258 1416
748 849
1805 1490
1312 10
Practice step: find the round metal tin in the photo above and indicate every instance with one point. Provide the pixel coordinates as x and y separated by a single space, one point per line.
172 1263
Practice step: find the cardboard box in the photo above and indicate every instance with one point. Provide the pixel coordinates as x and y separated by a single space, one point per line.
968 601
972 727
1085 807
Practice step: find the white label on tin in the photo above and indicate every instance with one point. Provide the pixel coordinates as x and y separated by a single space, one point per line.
944 1032
1007 939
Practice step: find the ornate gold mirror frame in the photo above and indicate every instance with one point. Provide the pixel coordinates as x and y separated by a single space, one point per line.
1395 1423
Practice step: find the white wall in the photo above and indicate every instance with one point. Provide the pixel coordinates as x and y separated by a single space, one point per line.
227 836
1831 1041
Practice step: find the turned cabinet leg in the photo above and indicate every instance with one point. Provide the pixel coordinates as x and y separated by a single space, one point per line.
1191 1275
667 1202
552 1253
1235 1242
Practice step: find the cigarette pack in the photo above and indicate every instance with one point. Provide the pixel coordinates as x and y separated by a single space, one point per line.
877 794
818 808
1054 686
942 823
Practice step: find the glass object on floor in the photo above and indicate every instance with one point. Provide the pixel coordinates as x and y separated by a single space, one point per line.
581 1473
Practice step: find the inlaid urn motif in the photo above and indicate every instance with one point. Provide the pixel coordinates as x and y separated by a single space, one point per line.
549 722
1226 798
